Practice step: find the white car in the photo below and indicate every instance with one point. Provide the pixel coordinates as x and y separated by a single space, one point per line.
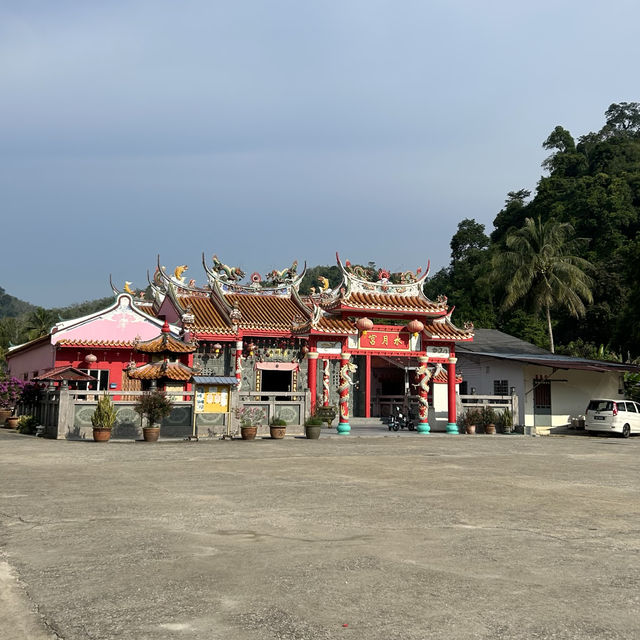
613 416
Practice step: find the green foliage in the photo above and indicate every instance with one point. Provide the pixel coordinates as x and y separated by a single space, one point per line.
278 422
541 264
465 281
488 416
154 406
580 349
314 421
470 417
505 418
11 307
27 425
39 322
525 326
104 416
332 273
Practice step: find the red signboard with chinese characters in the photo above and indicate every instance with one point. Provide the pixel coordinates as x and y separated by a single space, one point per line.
392 340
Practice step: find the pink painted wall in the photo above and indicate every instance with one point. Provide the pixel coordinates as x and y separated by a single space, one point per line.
122 324
39 358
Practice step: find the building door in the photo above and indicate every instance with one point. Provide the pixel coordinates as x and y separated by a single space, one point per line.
541 402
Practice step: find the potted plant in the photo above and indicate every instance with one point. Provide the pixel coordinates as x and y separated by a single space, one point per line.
506 420
103 419
278 428
10 393
154 406
489 419
250 419
27 425
313 427
470 419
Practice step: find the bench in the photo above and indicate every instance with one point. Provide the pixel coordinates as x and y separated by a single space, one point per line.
326 414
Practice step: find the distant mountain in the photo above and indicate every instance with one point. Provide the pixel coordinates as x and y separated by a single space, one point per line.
11 307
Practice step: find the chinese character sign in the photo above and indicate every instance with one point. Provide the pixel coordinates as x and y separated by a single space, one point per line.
386 340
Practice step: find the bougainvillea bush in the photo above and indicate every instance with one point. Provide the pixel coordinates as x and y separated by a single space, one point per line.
10 391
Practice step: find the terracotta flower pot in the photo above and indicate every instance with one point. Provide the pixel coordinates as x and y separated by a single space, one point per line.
248 433
4 414
12 422
490 429
150 434
470 429
277 433
101 435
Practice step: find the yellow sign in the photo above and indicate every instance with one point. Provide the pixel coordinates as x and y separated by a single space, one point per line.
212 398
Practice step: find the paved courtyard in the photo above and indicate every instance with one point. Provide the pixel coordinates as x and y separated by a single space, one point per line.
384 538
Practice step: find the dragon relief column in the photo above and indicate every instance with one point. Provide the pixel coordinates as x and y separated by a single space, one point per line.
423 395
239 348
312 365
344 427
325 383
452 426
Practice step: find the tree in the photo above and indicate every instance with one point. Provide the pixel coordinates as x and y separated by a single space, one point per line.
540 263
39 322
622 118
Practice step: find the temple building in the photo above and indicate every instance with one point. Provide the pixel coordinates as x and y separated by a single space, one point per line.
371 342
365 345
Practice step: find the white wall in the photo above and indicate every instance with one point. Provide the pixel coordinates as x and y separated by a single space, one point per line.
480 372
570 399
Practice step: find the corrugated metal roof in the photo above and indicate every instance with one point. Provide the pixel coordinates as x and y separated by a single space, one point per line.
494 341
560 361
215 380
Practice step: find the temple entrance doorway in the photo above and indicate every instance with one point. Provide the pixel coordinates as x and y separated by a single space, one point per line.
391 384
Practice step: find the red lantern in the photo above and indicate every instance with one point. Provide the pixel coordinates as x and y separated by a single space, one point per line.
364 325
415 327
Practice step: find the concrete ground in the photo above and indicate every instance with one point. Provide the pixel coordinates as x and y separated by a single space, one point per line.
386 538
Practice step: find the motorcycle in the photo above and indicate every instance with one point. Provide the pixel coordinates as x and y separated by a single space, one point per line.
397 421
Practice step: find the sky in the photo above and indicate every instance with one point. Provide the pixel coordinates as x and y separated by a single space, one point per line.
279 130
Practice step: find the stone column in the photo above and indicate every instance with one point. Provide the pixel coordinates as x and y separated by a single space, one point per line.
312 369
423 395
452 426
344 427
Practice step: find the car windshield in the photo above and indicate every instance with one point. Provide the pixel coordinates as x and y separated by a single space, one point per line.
600 405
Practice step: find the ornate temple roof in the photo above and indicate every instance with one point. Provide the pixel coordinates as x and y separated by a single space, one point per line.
159 370
365 291
444 329
165 343
226 306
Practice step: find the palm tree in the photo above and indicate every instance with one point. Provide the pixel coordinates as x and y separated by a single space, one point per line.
39 322
540 262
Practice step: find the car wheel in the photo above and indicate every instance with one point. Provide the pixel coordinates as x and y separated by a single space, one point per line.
395 427
626 431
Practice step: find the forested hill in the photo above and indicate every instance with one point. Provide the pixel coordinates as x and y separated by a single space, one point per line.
11 306
593 184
